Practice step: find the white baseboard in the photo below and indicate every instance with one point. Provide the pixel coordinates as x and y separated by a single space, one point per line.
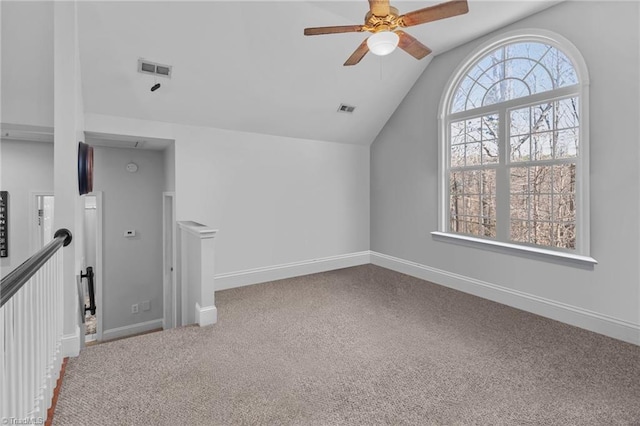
289 270
206 316
71 344
579 317
128 330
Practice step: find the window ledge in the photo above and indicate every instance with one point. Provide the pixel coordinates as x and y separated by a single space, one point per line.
515 249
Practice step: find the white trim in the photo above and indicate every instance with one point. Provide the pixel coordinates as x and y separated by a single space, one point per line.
573 315
502 247
128 330
34 243
206 316
169 286
289 270
71 344
199 230
98 273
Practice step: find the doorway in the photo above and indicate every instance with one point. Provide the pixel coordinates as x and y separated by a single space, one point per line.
42 223
93 266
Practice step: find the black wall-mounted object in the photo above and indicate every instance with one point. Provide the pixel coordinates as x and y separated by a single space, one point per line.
4 224
85 168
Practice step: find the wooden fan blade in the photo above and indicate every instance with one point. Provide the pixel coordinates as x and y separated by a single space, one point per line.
412 46
358 54
379 7
434 13
333 30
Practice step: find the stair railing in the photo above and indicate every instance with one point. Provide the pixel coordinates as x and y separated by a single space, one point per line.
31 315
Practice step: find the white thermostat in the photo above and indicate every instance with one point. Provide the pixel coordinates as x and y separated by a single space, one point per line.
132 167
130 233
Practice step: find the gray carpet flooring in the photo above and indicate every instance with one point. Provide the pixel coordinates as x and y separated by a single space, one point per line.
361 345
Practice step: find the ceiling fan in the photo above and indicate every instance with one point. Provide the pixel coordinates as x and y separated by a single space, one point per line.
383 20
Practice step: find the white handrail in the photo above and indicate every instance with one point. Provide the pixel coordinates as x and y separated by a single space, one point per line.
31 344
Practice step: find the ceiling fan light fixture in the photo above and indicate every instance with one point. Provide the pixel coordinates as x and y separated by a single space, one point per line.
382 43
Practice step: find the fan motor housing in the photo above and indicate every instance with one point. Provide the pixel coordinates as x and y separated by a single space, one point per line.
382 23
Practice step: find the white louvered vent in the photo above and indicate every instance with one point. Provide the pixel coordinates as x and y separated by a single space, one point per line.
346 108
148 67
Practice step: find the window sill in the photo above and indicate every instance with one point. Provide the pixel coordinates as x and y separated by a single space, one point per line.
563 258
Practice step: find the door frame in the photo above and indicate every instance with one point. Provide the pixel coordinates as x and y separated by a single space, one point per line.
33 218
98 276
169 286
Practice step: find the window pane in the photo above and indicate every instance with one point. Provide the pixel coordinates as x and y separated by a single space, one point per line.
519 231
564 208
471 204
490 151
520 206
520 121
490 126
540 179
540 233
519 181
473 130
457 132
566 144
560 67
542 118
511 72
489 181
567 113
457 155
520 148
564 235
472 154
542 145
472 182
564 178
539 80
518 68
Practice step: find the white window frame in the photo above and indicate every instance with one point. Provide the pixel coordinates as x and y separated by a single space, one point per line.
581 254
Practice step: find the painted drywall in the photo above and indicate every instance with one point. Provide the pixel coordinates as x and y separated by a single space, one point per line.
132 265
26 167
404 171
170 168
68 130
274 200
27 62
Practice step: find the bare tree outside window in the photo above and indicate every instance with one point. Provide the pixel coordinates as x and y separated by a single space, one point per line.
535 146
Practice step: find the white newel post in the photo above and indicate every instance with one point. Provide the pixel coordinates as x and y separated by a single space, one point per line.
197 253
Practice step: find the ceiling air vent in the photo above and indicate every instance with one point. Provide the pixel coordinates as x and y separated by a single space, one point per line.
148 67
346 108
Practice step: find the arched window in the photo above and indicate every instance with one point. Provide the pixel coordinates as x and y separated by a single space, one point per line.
514 164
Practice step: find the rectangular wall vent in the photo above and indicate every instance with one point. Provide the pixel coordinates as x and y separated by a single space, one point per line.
148 67
346 108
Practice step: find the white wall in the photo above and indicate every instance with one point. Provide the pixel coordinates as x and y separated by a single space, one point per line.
27 62
404 176
170 168
26 167
68 130
275 200
132 266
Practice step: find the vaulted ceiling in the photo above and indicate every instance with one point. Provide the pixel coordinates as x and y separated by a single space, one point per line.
247 66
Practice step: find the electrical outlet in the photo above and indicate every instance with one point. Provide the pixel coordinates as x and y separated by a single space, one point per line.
134 309
146 305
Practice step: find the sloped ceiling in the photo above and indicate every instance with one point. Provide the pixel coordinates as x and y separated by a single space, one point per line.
247 65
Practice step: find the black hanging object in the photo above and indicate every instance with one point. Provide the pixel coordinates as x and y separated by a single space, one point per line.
85 168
